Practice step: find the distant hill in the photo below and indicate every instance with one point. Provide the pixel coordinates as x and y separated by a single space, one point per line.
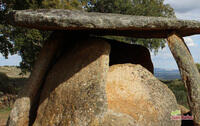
164 74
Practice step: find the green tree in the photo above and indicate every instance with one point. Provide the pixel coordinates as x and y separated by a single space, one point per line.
23 41
28 42
19 40
133 7
136 7
64 4
6 46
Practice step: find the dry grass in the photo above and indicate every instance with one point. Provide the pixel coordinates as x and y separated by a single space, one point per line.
13 72
4 113
11 83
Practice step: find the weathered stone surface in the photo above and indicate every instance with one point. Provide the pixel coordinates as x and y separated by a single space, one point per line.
74 90
130 53
111 118
20 114
189 73
183 109
133 90
102 23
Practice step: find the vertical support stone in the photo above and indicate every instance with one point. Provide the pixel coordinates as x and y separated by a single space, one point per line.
20 114
74 89
189 73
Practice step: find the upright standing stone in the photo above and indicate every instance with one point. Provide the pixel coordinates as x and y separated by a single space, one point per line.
20 113
189 72
74 90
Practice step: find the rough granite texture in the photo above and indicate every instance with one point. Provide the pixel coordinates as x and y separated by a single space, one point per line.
111 118
133 90
189 73
21 113
74 90
102 23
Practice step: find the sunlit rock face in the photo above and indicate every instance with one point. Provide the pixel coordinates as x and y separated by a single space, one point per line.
74 90
133 90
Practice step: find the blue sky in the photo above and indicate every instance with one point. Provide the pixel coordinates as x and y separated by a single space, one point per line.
11 61
165 60
184 9
187 10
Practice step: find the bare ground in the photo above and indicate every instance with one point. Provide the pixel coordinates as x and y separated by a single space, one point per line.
16 81
4 117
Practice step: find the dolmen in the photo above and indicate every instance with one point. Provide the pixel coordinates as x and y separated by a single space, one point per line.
82 79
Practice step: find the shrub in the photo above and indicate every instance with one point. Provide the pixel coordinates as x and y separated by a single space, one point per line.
179 91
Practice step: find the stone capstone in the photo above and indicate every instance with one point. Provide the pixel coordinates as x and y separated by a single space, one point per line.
134 91
74 90
102 23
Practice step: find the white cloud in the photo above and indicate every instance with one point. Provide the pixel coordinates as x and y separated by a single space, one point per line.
192 15
185 9
189 41
183 6
13 60
164 59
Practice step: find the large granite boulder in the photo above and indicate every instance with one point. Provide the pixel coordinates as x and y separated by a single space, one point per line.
133 90
130 53
111 118
74 90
